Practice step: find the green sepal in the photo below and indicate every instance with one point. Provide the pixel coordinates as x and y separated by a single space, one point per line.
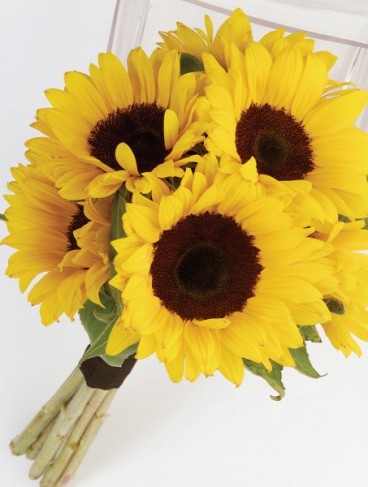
273 377
335 306
190 64
3 217
302 362
344 219
310 334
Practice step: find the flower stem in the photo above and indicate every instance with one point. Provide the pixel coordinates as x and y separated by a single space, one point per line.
33 450
87 438
67 417
72 443
21 443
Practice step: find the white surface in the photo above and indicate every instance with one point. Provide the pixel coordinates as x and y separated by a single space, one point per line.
159 434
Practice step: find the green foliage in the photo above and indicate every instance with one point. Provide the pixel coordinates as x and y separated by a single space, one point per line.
273 377
117 360
335 306
98 322
310 334
189 63
303 364
121 197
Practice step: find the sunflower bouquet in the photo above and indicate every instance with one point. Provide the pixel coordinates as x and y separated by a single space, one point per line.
206 204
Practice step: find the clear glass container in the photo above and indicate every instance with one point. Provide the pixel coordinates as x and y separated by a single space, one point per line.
339 26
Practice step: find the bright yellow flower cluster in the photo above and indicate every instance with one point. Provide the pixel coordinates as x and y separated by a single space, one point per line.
245 193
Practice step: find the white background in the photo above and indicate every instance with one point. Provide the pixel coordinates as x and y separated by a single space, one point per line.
159 433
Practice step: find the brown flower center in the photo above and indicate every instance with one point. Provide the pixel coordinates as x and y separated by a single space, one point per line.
206 266
78 220
276 140
141 126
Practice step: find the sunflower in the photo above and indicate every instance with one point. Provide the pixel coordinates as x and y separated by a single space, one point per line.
62 243
236 29
283 113
116 125
276 41
349 316
214 273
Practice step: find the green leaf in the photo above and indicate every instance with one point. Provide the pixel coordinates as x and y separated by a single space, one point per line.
273 377
119 202
98 322
303 364
310 334
3 217
118 360
335 306
121 198
189 63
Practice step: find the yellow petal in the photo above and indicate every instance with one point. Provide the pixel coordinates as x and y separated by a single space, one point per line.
144 221
141 74
171 128
294 289
231 366
146 347
126 158
170 211
139 262
335 114
107 184
120 339
175 368
213 323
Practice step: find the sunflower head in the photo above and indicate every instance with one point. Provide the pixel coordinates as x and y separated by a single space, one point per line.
349 301
295 129
63 244
215 273
115 125
234 30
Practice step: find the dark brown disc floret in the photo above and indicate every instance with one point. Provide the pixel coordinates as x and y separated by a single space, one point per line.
78 220
205 267
141 126
277 141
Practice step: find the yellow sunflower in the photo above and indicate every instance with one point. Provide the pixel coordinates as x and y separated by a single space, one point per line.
276 42
62 243
349 315
282 112
212 274
236 29
116 125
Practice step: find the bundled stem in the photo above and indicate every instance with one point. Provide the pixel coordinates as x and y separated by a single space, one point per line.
86 440
21 443
59 436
